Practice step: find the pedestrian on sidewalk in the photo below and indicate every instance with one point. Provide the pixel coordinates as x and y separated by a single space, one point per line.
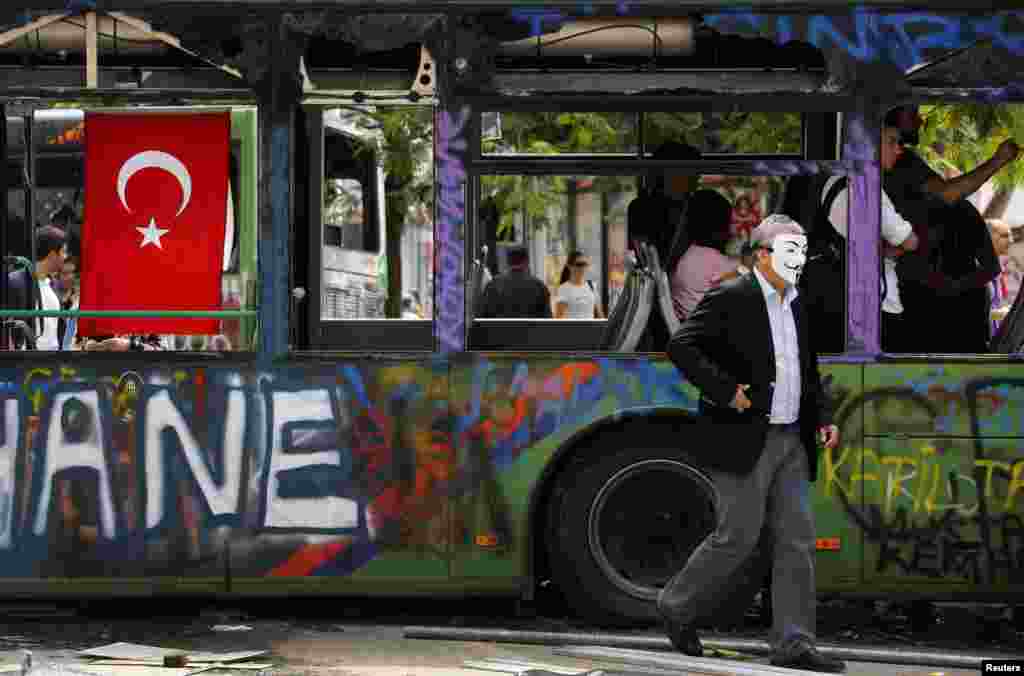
747 348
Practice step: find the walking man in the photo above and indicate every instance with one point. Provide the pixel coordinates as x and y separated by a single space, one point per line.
746 347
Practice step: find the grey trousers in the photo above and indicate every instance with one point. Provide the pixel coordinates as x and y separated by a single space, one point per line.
776 493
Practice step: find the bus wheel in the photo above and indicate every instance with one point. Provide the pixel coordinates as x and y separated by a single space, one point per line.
621 522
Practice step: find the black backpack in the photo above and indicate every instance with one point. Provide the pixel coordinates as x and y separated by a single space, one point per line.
22 332
823 282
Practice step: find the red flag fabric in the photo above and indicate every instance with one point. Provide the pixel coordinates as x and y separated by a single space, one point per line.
153 234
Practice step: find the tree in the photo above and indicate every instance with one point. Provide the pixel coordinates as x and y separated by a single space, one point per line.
405 143
955 138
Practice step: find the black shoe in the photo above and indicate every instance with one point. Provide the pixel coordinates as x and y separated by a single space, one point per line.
683 637
809 659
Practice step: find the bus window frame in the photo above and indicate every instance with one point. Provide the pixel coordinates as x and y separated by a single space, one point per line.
821 141
348 335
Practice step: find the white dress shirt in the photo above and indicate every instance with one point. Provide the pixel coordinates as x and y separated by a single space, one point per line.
47 340
895 230
786 394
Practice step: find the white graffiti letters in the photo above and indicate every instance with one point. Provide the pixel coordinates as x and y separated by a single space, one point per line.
161 414
61 453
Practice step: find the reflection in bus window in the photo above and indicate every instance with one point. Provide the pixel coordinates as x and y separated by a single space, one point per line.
378 230
55 196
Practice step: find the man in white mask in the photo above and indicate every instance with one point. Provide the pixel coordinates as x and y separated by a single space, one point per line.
763 412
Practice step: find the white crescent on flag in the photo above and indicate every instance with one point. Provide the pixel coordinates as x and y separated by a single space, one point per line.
159 160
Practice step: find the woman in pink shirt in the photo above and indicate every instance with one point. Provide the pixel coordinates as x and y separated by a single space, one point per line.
709 219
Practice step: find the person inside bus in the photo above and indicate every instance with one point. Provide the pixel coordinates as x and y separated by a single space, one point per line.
1003 289
704 264
67 287
34 289
955 260
898 238
748 348
516 294
658 217
577 298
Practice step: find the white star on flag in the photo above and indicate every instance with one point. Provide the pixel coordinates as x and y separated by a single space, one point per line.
152 234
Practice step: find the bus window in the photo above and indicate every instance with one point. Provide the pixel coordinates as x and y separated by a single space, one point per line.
377 225
56 198
555 220
553 216
549 219
950 182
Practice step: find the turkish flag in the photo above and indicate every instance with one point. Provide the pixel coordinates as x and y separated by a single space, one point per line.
156 201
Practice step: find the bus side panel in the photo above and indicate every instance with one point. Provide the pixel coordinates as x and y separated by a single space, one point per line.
517 412
839 547
943 477
121 479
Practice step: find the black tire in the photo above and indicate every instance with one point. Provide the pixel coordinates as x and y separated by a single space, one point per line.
623 518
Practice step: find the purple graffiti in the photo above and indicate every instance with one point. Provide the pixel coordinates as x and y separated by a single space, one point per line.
451 151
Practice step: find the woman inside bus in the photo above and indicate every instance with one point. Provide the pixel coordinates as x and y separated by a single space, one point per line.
704 264
576 297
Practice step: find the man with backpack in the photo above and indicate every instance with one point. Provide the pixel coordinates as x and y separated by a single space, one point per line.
897 235
30 289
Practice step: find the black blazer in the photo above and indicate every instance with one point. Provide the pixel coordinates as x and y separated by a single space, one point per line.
23 294
727 340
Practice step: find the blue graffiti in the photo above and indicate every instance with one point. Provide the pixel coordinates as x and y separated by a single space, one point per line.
537 17
904 39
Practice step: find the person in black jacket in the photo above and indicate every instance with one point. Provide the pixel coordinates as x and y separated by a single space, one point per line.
30 289
747 347
516 293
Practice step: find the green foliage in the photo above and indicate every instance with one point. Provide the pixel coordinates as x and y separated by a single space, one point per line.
759 132
545 133
961 136
682 127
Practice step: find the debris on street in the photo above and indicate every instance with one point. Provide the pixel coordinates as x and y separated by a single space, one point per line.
132 659
701 665
516 666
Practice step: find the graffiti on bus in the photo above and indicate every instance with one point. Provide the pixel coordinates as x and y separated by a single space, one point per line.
320 471
451 154
928 503
904 39
311 474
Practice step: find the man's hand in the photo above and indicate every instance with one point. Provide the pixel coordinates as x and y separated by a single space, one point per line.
739 400
1007 152
829 436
